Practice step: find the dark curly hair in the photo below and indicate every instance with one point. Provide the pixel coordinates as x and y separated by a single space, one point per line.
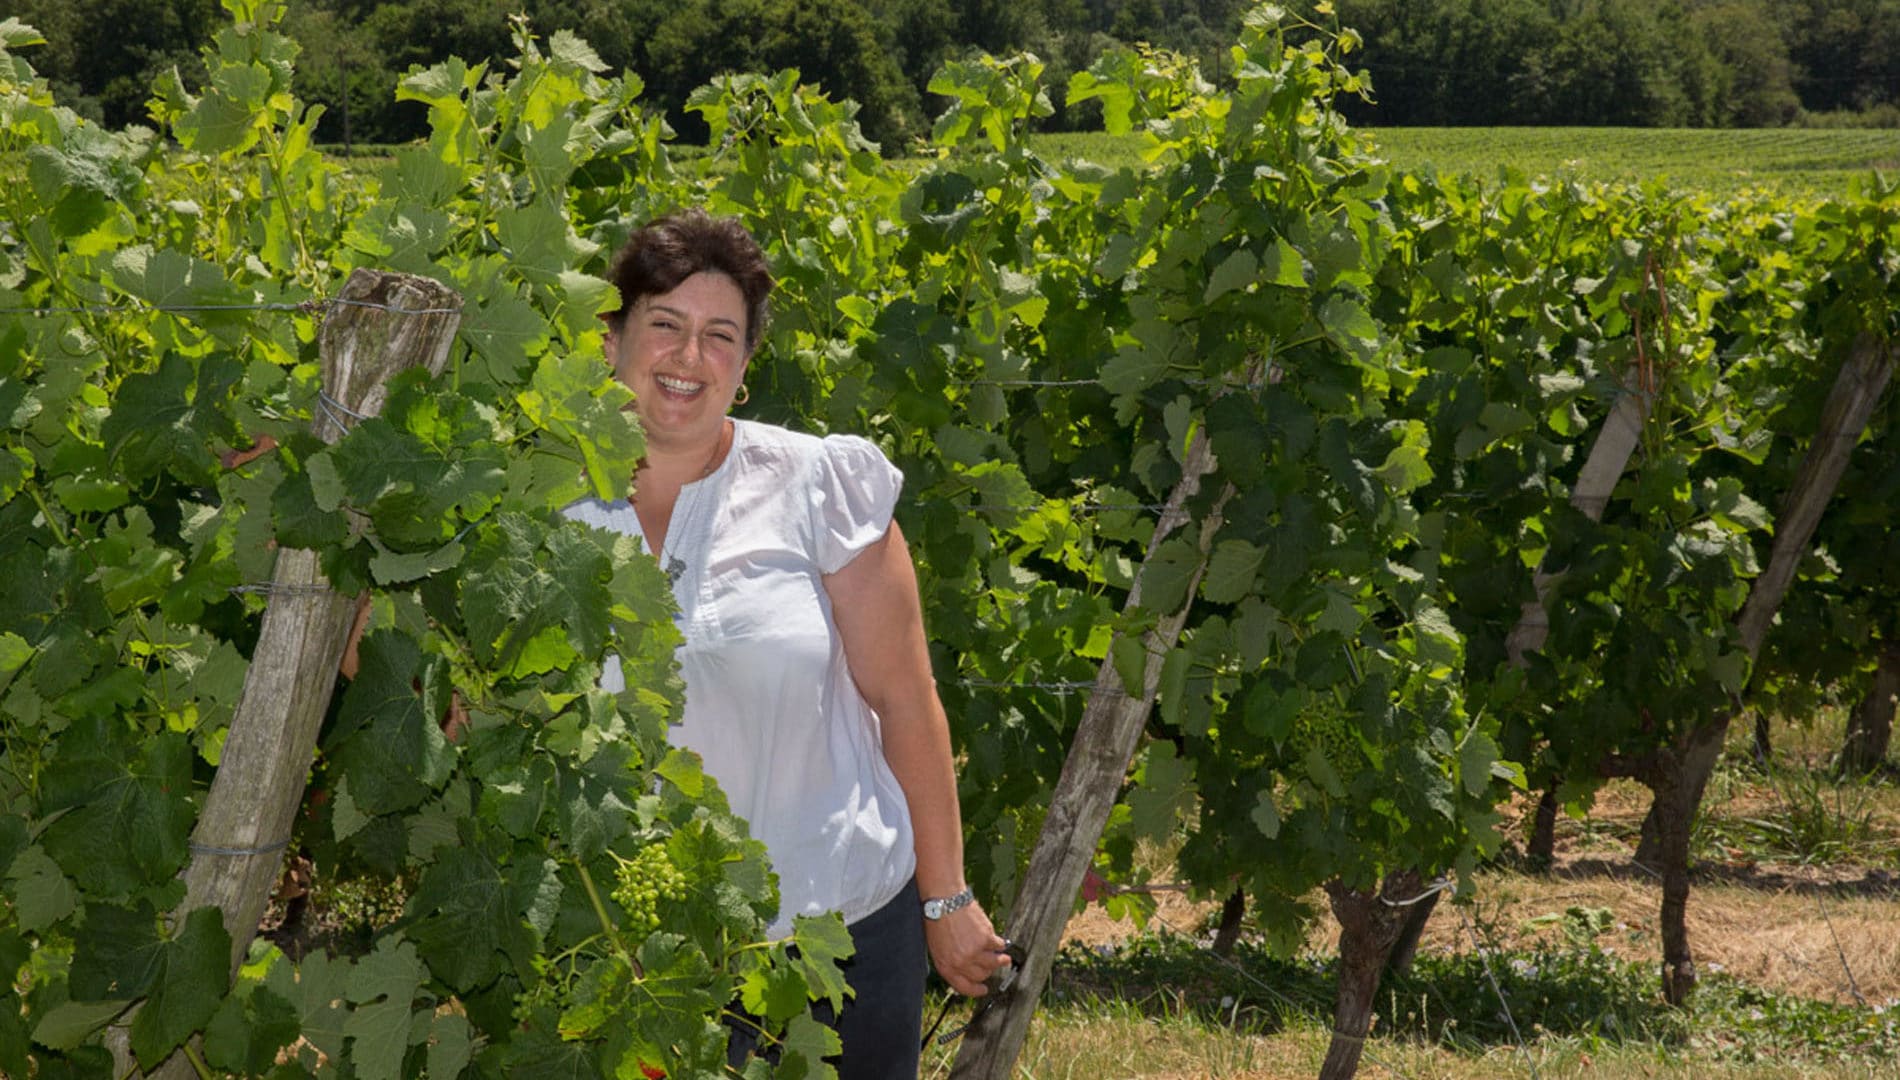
669 249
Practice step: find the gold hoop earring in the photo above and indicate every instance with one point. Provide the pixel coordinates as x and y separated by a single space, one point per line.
744 395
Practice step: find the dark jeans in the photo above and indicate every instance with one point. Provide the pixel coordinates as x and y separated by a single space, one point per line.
883 1021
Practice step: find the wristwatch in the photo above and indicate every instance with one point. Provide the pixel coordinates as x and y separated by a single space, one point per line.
938 906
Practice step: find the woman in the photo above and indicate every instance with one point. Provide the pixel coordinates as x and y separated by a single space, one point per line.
808 686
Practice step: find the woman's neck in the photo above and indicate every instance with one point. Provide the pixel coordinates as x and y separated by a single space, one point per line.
666 469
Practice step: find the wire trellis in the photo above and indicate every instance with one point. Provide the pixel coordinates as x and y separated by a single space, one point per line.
307 307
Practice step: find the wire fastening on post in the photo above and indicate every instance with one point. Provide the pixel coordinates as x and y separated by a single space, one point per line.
267 849
335 412
272 588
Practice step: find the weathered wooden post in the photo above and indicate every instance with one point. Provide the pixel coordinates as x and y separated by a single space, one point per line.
381 324
1085 794
1610 454
1679 774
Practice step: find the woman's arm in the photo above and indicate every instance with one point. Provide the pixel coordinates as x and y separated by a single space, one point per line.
880 619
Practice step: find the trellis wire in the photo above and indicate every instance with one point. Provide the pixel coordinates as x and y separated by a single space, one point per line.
1431 890
1058 686
1853 985
304 306
1097 508
1028 384
1504 1002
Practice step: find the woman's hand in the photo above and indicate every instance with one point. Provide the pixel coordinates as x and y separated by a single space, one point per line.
965 949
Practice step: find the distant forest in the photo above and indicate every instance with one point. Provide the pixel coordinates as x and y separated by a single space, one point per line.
1688 63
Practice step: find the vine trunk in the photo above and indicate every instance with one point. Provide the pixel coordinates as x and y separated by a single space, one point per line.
1370 924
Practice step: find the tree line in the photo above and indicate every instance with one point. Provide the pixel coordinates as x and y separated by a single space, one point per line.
1679 63
1696 63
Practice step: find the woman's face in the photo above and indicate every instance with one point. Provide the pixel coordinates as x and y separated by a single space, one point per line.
683 355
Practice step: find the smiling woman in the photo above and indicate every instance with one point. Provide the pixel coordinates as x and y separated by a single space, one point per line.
809 693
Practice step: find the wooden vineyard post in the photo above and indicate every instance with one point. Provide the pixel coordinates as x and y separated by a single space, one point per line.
381 324
1084 795
1850 404
1609 456
1679 776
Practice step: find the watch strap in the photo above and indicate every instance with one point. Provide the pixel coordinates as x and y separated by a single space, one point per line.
938 906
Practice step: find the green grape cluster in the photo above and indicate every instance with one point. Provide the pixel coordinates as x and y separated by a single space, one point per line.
642 882
543 991
1327 733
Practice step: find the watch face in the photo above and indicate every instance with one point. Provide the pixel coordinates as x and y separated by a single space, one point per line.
933 909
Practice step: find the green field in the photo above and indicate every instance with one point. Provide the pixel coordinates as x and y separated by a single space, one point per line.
1807 161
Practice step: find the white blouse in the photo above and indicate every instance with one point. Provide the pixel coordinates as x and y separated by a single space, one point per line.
770 703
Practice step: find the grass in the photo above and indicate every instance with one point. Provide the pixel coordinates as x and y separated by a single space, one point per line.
1795 161
1817 162
1163 1007
1796 896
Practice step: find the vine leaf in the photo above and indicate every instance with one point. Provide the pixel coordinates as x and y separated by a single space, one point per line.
1265 815
468 924
807 1044
1235 272
316 990
539 599
595 800
1476 755
131 813
65 1026
170 279
1282 266
249 1031
41 895
382 987
386 743
1231 570
505 331
776 992
171 418
191 975
572 400
597 997
451 1044
1166 576
679 1002
823 942
538 1054
1164 794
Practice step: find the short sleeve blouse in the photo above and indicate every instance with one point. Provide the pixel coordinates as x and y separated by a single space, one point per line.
771 705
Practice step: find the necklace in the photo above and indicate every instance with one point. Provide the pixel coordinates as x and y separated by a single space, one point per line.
685 517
